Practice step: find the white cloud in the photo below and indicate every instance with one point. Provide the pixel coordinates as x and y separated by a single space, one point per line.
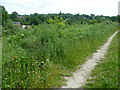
99 7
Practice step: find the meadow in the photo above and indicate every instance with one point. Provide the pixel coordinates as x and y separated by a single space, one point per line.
40 57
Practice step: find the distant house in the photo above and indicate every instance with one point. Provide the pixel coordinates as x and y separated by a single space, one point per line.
26 26
23 26
20 17
17 23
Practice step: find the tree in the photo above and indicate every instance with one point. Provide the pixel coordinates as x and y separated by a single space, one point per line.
113 18
34 20
14 15
118 17
43 18
5 15
60 13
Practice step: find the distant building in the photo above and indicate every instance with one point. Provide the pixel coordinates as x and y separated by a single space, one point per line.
17 23
20 17
26 26
23 26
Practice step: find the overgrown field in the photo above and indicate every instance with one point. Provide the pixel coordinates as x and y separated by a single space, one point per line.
106 73
40 57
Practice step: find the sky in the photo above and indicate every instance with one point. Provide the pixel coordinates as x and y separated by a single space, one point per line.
97 7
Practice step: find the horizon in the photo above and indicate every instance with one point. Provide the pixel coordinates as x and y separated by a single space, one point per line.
96 7
58 13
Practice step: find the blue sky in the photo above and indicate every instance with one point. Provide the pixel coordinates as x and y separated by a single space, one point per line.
97 7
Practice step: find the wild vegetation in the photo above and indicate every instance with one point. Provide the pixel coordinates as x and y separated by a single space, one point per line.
39 57
106 73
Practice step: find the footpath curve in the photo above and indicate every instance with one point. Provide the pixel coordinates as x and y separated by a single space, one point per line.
81 75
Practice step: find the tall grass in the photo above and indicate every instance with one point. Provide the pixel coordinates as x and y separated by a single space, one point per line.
0 63
105 74
0 57
40 57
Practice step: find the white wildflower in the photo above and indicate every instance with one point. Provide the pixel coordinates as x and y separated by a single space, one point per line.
22 34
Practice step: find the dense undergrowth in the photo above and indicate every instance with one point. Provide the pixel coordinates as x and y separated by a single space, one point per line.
40 57
105 75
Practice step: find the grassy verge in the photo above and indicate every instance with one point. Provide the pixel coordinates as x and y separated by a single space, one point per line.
40 57
0 57
0 63
105 75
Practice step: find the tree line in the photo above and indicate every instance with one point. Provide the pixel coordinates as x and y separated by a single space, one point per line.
35 19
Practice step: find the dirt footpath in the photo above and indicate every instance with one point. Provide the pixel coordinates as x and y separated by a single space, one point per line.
80 77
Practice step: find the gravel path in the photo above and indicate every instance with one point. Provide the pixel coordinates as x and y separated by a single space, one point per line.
80 77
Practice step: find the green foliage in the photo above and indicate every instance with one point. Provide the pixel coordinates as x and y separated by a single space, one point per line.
9 28
36 19
60 22
39 57
14 15
58 43
7 24
4 17
118 17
